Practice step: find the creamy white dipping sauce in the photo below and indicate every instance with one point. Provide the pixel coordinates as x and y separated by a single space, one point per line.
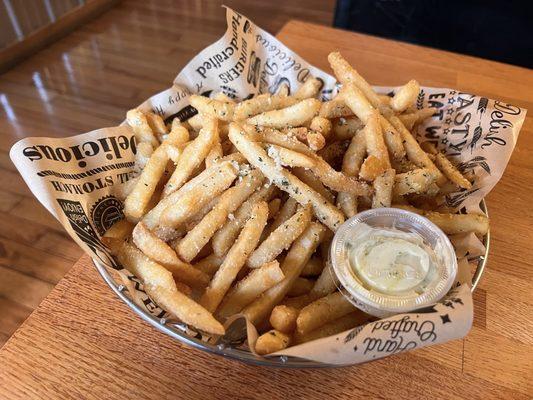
392 262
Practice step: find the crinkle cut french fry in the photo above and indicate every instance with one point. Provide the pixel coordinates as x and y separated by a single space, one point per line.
416 181
283 318
262 103
287 157
189 247
236 257
214 108
225 236
300 287
144 152
295 115
135 205
160 286
192 156
452 224
323 311
334 108
341 324
309 89
271 341
163 254
141 129
281 238
383 186
153 218
405 96
307 177
251 287
292 265
194 199
256 155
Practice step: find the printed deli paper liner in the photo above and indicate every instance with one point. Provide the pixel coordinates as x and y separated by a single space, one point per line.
75 178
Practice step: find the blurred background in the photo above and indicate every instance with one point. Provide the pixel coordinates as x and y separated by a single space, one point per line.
71 66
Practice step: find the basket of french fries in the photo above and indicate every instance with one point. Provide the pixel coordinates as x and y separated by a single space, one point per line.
227 194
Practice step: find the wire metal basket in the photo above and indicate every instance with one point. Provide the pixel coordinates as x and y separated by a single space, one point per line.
176 330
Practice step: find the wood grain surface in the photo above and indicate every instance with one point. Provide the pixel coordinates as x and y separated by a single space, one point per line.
82 342
86 81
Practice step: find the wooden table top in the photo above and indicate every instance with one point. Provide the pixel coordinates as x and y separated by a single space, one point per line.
82 342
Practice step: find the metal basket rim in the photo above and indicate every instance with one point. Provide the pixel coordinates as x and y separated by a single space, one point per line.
241 354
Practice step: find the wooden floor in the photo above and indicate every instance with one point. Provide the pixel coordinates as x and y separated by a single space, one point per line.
86 81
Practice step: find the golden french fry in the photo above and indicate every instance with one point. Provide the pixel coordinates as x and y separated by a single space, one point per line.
307 177
325 284
144 152
447 168
273 208
334 152
287 210
346 128
192 156
347 203
355 154
299 132
452 224
136 119
135 205
313 268
408 120
157 125
295 115
163 254
315 140
225 236
271 342
273 136
236 257
283 318
209 265
214 154
323 311
298 302
256 155
221 96
281 238
298 255
222 110
283 90
321 125
383 186
385 99
208 177
375 143
197 122
300 287
262 103
416 181
120 230
287 157
189 247
160 286
372 167
334 109
339 181
341 324
251 287
405 96
309 89
403 165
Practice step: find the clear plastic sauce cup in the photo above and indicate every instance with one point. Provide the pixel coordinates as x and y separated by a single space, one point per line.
389 261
